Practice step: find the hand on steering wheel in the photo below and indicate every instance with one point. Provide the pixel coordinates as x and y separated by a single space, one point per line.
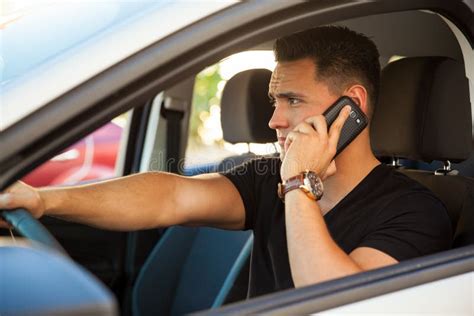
17 198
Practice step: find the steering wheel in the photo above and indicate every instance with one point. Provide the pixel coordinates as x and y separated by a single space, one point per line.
28 226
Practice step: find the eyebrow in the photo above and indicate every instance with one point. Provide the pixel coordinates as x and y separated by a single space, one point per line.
286 95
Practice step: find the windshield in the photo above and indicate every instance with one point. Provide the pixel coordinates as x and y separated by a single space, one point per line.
33 32
48 47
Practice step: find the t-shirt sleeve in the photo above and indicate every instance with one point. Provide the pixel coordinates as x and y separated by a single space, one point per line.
410 226
243 178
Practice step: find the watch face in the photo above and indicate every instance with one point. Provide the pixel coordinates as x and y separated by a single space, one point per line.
314 183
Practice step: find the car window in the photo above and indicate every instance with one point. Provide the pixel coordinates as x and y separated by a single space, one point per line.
92 158
206 145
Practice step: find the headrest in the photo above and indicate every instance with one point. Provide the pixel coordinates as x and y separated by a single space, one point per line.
246 109
423 112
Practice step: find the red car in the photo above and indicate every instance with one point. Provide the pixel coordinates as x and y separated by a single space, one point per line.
91 158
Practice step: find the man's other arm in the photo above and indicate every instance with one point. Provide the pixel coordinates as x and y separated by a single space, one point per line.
140 201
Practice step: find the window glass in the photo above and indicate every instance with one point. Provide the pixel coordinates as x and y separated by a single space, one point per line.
205 143
92 158
61 24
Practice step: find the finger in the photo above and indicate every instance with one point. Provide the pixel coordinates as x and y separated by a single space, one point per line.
289 139
12 200
5 200
336 127
319 124
305 128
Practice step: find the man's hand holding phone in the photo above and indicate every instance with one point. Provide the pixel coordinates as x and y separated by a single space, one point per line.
311 146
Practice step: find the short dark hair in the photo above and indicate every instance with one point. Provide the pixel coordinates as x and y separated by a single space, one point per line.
341 56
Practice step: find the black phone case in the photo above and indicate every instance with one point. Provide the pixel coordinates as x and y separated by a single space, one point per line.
354 124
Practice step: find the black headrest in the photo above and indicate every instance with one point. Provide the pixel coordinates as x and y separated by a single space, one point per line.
246 109
423 112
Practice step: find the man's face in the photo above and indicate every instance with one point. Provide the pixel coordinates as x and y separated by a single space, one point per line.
297 96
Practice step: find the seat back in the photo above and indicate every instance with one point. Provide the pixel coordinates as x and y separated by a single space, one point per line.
245 113
424 114
246 108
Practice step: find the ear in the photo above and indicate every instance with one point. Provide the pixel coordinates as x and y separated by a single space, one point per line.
358 93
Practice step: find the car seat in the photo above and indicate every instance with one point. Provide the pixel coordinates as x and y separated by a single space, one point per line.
245 113
191 269
424 114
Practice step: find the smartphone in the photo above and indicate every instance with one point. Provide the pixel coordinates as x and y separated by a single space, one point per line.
354 124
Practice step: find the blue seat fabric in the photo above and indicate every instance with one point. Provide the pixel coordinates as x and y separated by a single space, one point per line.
190 269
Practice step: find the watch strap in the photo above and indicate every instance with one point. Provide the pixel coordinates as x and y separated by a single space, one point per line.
291 184
298 182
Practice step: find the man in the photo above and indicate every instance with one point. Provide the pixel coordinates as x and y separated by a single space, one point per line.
367 216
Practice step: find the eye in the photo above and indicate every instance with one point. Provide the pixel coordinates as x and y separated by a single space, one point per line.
293 101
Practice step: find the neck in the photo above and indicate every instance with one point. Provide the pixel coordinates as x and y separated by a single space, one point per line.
353 164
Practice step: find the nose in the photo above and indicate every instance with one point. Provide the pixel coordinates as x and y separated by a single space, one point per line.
279 119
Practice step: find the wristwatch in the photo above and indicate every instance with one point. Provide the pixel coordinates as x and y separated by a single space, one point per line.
307 181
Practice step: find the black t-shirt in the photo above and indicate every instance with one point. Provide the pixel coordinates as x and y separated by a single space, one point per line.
387 211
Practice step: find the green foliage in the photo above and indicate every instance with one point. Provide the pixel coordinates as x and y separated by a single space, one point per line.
205 95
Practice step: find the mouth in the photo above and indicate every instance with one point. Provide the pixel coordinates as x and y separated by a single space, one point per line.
281 141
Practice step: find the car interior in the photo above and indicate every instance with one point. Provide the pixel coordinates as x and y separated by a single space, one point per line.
446 119
422 126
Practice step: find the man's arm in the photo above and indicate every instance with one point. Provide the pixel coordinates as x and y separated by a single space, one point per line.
140 201
314 256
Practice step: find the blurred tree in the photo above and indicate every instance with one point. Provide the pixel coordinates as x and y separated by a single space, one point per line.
205 95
